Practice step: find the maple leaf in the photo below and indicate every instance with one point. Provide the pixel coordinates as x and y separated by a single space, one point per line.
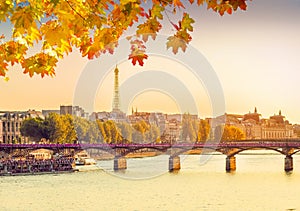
186 22
178 3
200 2
156 11
54 32
138 56
65 47
33 35
3 68
175 43
212 4
40 64
15 52
238 4
6 7
150 28
22 18
224 7
137 52
92 26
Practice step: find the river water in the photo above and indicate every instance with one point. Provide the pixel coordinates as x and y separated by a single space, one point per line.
259 183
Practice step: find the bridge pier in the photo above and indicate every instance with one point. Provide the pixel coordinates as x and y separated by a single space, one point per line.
120 163
230 163
288 163
174 163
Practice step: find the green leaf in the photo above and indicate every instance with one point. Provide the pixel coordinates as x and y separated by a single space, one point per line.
186 23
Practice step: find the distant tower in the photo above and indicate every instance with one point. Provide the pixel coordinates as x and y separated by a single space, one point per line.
116 101
255 110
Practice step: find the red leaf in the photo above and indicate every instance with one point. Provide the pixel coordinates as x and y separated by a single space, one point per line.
138 57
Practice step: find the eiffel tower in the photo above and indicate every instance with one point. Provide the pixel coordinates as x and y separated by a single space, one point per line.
116 98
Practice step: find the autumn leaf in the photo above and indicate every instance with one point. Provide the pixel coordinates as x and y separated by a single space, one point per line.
41 63
138 56
54 32
200 2
92 26
23 18
175 43
156 11
225 7
137 52
178 3
14 52
3 68
238 4
33 35
150 28
186 22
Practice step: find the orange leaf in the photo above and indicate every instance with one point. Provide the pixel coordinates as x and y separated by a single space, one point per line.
178 3
3 68
138 57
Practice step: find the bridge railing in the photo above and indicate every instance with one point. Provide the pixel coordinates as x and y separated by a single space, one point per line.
227 144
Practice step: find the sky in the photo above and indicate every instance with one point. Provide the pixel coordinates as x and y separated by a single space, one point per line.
253 55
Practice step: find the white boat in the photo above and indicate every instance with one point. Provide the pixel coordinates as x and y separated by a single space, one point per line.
82 158
89 161
79 161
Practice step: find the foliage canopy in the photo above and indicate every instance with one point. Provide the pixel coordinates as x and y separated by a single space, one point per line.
229 133
92 26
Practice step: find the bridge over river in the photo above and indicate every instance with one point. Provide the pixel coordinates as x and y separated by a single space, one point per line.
287 147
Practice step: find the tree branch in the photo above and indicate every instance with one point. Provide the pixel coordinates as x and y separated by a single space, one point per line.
75 10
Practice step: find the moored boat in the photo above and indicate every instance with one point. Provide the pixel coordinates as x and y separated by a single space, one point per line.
82 158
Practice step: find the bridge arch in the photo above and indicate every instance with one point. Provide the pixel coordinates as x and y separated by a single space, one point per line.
295 152
125 151
219 149
133 150
182 150
253 148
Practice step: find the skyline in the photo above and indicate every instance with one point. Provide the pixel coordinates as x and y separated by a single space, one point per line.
136 109
254 53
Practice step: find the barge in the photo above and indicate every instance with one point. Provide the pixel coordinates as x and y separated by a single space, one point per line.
11 167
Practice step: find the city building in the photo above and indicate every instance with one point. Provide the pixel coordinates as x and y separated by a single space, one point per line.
255 127
103 116
10 124
172 132
73 110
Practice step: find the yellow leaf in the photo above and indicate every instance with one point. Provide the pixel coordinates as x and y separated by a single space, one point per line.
23 18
